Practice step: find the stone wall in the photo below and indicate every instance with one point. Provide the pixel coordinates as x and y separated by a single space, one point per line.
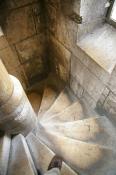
107 101
23 46
62 35
93 13
88 80
49 29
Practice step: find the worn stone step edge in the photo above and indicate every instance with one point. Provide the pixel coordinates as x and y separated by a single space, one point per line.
30 139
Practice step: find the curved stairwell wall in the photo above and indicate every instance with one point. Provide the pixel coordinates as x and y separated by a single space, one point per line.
16 113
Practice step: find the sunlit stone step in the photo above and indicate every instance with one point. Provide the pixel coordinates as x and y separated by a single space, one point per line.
5 143
42 156
83 157
73 112
49 96
64 100
97 130
20 162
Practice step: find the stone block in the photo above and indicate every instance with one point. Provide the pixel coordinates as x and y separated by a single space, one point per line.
20 158
76 87
70 6
13 4
112 81
31 48
93 66
42 156
88 80
88 27
66 31
104 95
38 18
100 46
87 99
20 24
53 3
110 105
61 57
63 72
52 15
9 58
34 68
84 157
20 3
5 143
92 9
3 42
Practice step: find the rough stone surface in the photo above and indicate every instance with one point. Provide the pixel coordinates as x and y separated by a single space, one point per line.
93 15
62 101
24 25
110 105
20 159
36 65
35 100
61 58
66 32
18 29
104 96
76 87
48 98
72 113
3 42
16 112
24 41
95 68
9 58
112 81
28 49
86 79
94 130
84 157
22 2
14 4
42 156
5 142
92 9
100 46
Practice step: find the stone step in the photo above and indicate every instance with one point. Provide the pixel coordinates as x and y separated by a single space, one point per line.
73 112
42 156
85 157
97 130
49 96
35 100
64 100
5 143
20 158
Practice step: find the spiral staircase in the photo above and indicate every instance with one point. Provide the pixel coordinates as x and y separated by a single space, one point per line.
66 127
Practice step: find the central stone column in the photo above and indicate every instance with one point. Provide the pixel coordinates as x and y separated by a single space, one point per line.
16 113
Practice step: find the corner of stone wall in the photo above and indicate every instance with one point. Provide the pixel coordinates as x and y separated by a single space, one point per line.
24 32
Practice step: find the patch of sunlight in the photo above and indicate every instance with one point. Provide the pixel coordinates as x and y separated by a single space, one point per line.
113 13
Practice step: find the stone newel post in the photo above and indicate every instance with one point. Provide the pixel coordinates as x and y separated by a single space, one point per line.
16 113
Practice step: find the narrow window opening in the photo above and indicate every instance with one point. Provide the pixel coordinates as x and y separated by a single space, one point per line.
113 12
111 16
